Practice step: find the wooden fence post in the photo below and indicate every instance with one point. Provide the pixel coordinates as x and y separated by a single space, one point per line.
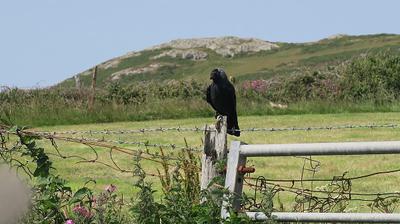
215 149
93 93
78 87
77 82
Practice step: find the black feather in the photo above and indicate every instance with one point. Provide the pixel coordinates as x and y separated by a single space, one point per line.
221 96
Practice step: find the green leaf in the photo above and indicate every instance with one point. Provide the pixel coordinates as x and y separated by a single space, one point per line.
80 194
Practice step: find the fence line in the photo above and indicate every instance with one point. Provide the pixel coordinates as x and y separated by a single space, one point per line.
319 201
164 160
203 129
95 140
152 157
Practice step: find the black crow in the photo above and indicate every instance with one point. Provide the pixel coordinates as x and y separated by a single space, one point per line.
221 96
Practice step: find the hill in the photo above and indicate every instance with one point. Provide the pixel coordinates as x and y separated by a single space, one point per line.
245 59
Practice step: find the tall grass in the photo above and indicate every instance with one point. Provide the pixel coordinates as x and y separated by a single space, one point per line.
57 113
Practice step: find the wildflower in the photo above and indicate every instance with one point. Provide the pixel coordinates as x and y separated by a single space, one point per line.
93 201
256 85
82 211
111 188
69 221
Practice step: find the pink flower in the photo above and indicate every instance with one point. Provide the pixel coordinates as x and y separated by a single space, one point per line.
93 201
69 221
256 85
82 211
111 188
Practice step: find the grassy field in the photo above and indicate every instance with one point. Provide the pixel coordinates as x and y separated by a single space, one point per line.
279 167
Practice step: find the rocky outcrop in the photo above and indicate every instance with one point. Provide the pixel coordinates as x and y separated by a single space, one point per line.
113 63
225 46
336 36
132 70
191 54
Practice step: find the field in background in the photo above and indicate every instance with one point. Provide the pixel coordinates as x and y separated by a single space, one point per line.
79 173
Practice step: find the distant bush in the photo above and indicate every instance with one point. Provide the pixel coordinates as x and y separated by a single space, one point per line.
147 91
375 78
371 78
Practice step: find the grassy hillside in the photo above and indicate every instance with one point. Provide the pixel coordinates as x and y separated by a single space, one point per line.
244 66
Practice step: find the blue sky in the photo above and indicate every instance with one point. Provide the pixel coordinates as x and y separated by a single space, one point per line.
43 42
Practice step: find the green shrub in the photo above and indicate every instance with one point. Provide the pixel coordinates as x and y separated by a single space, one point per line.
375 78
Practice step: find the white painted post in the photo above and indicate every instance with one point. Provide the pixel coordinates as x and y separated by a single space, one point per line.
215 149
233 179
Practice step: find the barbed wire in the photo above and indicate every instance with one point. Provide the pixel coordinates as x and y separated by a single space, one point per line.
128 131
146 155
120 142
96 140
351 126
164 159
207 128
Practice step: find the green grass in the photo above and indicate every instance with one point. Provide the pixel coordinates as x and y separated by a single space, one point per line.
280 167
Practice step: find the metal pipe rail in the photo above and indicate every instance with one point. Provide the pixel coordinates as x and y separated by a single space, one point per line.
308 149
239 152
326 217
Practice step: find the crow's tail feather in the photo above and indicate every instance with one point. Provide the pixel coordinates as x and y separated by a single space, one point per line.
233 126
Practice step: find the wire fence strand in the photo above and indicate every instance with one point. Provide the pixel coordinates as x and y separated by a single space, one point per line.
207 128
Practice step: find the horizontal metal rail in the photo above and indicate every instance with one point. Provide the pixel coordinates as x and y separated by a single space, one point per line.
327 217
306 149
239 152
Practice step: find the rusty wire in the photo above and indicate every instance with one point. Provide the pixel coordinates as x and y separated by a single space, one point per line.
96 140
338 190
142 154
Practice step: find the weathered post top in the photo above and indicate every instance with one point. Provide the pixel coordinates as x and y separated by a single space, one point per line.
215 149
